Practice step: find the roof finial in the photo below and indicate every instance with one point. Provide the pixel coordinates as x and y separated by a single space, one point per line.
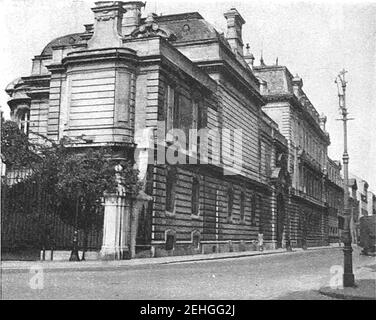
262 63
248 47
276 61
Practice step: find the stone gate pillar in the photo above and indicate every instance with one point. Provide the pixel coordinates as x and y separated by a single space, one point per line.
116 227
120 225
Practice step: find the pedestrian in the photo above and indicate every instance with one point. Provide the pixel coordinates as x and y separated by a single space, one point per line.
261 238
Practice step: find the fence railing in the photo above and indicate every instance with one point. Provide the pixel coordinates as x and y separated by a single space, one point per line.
30 219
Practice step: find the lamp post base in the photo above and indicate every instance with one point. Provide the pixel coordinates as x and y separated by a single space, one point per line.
348 280
74 256
348 275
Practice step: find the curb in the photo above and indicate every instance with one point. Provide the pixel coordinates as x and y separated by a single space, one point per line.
104 267
344 295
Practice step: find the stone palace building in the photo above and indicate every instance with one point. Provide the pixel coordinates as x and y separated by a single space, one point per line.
126 80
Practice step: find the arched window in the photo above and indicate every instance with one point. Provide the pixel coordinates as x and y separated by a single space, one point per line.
195 203
242 206
170 189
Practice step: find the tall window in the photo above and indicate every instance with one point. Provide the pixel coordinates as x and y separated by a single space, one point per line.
268 161
195 114
170 189
195 205
242 206
170 107
24 121
230 202
253 209
182 112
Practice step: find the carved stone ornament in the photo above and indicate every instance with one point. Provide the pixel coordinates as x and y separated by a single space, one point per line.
152 29
106 18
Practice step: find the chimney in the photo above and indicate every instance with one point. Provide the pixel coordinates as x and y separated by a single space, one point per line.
297 84
322 121
132 16
107 29
234 30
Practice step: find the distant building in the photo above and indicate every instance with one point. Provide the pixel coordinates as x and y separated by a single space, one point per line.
360 205
334 199
371 208
308 141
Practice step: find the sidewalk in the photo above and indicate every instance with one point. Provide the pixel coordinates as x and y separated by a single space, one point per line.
365 286
58 266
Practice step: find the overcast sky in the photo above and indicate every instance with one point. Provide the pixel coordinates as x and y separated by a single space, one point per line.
315 39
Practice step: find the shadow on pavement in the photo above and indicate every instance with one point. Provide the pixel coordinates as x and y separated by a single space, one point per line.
365 289
304 295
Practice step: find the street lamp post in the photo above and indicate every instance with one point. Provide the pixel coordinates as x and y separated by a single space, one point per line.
348 275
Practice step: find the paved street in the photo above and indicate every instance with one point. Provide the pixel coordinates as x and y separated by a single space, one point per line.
279 276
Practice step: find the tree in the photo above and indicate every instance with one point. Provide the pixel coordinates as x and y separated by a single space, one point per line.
25 190
74 181
82 180
16 149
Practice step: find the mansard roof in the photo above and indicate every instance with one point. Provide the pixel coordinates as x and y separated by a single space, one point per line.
68 39
280 83
278 78
190 26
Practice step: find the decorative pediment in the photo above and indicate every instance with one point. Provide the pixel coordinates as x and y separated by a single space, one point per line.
152 29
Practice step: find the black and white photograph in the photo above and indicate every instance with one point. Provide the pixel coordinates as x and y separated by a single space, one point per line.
188 155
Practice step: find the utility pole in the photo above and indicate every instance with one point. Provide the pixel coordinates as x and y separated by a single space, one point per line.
348 275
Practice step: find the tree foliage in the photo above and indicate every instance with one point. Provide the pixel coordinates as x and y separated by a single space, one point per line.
16 149
70 176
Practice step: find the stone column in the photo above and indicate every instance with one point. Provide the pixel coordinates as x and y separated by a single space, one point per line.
116 227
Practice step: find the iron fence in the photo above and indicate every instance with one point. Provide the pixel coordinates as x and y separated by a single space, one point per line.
30 219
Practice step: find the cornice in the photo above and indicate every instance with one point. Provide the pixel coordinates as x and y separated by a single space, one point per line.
227 70
42 80
294 102
12 103
306 198
35 93
96 55
334 184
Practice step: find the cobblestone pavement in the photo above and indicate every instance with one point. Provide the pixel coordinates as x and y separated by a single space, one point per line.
295 275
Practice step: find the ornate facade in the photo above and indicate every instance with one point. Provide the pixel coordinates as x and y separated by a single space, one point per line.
127 80
308 163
